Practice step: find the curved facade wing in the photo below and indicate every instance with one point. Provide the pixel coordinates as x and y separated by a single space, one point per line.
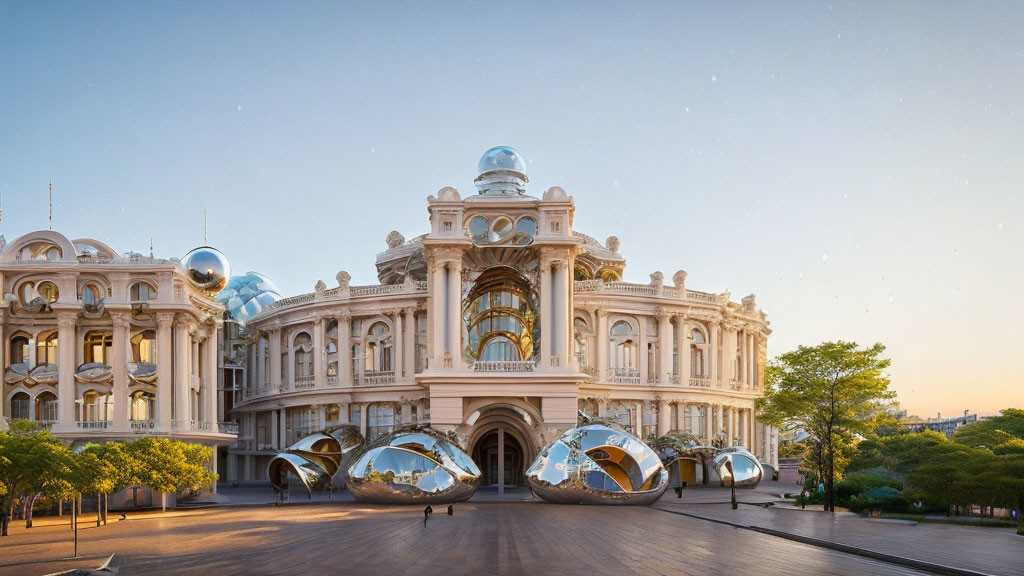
413 465
598 463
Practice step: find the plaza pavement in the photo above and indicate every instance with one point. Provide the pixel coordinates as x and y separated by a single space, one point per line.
489 536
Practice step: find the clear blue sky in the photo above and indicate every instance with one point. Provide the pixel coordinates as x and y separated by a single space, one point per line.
857 166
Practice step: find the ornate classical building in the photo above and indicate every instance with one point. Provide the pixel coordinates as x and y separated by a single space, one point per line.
500 324
98 346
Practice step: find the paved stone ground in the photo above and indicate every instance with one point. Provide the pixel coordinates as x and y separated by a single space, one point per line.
484 538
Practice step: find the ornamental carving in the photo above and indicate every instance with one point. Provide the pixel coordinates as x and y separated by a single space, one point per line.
395 239
343 279
612 243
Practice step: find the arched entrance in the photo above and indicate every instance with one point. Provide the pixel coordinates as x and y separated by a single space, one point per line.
500 458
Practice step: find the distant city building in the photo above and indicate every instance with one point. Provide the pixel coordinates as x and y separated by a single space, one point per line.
939 424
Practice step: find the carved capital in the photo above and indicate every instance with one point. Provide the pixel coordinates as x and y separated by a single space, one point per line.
121 320
67 320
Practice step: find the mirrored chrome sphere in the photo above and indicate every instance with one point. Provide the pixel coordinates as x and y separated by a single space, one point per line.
316 459
598 463
413 465
246 295
206 268
739 464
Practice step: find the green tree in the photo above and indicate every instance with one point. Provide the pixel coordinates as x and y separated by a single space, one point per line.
168 466
829 390
31 462
898 454
994 431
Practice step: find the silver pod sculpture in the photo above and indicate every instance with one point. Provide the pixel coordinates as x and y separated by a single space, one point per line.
316 459
598 463
684 454
413 465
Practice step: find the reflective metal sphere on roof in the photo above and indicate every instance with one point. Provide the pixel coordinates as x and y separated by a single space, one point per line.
502 158
246 295
207 268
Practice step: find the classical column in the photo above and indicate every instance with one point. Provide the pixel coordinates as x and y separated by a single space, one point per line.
751 362
709 424
562 313
715 375
164 364
397 343
282 435
455 311
642 339
744 427
409 347
501 460
345 351
66 393
119 368
602 345
182 349
729 357
289 370
275 359
3 364
665 347
362 419
719 420
261 361
683 337
547 329
436 316
274 429
664 418
210 379
319 372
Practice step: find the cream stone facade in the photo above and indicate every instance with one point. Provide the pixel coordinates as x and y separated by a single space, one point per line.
499 324
99 346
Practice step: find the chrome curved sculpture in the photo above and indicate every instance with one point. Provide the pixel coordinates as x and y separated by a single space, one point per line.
598 463
315 459
736 465
413 465
677 446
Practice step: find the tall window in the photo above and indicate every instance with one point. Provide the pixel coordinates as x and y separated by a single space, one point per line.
625 353
46 407
303 355
500 317
97 346
581 331
46 349
697 368
380 420
90 295
378 348
19 349
142 405
142 291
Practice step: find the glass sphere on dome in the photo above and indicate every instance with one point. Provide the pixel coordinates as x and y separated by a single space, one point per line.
501 158
247 295
207 268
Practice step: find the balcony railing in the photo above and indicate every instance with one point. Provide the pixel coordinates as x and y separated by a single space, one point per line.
304 382
93 424
377 378
191 426
142 426
624 376
333 381
504 366
227 427
44 424
589 370
735 385
700 382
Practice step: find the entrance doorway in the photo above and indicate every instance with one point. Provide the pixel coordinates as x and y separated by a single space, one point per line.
500 458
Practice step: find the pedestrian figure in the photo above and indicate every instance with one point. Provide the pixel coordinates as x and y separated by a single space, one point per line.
426 514
451 510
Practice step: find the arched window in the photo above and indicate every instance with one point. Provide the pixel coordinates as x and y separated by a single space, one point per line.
303 356
580 332
19 349
624 350
142 291
142 405
144 347
97 346
378 348
500 308
19 406
380 420
90 294
46 348
48 291
46 407
26 292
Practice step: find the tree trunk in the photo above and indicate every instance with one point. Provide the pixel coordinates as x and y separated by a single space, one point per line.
99 508
106 501
3 522
28 510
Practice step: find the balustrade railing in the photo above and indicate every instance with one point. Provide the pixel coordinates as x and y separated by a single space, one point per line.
142 426
304 382
227 427
333 381
590 370
735 385
377 378
700 382
92 424
621 287
674 378
504 366
44 424
624 376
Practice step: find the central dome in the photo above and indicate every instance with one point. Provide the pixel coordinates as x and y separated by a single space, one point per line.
502 172
501 158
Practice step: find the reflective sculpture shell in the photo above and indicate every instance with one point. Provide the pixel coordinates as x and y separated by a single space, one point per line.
245 296
598 463
316 458
739 464
413 465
